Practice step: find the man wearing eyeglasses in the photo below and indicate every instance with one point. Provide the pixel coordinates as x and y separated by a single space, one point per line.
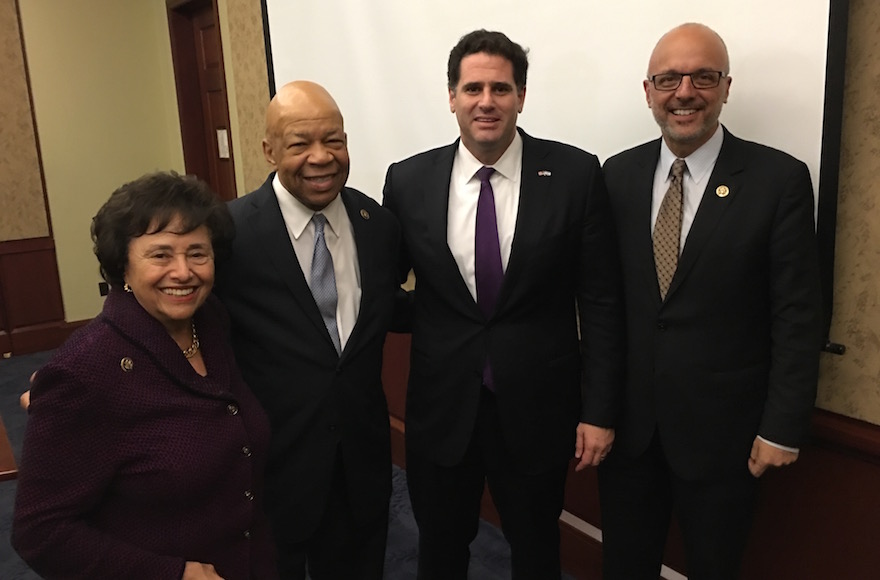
723 321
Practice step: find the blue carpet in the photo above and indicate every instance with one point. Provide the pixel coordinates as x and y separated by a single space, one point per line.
489 552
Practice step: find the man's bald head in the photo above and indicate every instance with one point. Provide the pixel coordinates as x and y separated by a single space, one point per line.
688 115
698 36
303 99
306 143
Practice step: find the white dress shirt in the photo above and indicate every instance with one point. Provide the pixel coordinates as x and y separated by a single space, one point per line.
464 191
700 164
339 235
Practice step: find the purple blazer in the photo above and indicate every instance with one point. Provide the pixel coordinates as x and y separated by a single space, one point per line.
133 463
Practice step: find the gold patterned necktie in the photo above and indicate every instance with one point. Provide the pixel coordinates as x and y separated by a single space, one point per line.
667 230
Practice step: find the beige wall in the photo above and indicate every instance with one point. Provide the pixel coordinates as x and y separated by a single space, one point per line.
21 189
247 86
104 97
106 112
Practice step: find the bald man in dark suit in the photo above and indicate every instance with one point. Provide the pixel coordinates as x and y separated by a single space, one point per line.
316 369
724 340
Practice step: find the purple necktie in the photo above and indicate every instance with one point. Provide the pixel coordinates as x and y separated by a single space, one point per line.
487 257
487 251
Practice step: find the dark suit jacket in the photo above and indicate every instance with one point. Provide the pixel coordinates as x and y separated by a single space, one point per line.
130 473
733 350
563 255
317 401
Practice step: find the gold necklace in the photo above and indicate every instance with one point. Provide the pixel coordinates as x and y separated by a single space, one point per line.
194 347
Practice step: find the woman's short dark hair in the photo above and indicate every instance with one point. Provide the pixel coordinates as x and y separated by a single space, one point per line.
147 205
489 42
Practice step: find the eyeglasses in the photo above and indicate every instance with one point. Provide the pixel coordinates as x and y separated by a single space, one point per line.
701 79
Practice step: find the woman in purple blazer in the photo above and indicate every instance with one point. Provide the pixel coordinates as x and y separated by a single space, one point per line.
144 451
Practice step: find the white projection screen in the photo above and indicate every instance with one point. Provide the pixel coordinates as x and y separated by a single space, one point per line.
385 63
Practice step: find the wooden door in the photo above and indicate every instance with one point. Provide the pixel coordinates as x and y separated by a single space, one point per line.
201 93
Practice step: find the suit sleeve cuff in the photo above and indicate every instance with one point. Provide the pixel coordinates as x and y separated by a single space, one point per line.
778 446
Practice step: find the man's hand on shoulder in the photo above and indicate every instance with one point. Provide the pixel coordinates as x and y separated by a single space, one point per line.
592 444
764 455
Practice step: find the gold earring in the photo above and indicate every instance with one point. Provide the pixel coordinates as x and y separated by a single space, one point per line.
126 287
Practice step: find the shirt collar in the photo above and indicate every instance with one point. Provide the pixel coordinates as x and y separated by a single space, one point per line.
507 165
700 162
297 216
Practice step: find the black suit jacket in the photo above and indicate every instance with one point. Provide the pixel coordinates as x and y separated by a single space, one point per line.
317 401
733 350
563 255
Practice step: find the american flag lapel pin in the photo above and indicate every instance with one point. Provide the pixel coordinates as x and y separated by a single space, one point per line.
544 173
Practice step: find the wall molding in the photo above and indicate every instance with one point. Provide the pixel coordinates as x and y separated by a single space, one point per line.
846 433
37 338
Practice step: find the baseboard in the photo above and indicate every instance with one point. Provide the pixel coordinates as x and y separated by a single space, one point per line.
846 434
581 553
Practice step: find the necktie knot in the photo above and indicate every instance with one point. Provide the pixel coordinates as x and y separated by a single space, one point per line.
319 220
484 173
678 168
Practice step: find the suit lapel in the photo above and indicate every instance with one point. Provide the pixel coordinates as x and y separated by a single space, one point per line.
643 193
436 201
366 248
269 228
535 179
436 198
726 173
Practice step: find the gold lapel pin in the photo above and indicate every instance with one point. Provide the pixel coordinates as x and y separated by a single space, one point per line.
722 191
127 364
365 214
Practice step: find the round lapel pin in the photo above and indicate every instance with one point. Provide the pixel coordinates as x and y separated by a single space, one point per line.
722 191
127 364
365 214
